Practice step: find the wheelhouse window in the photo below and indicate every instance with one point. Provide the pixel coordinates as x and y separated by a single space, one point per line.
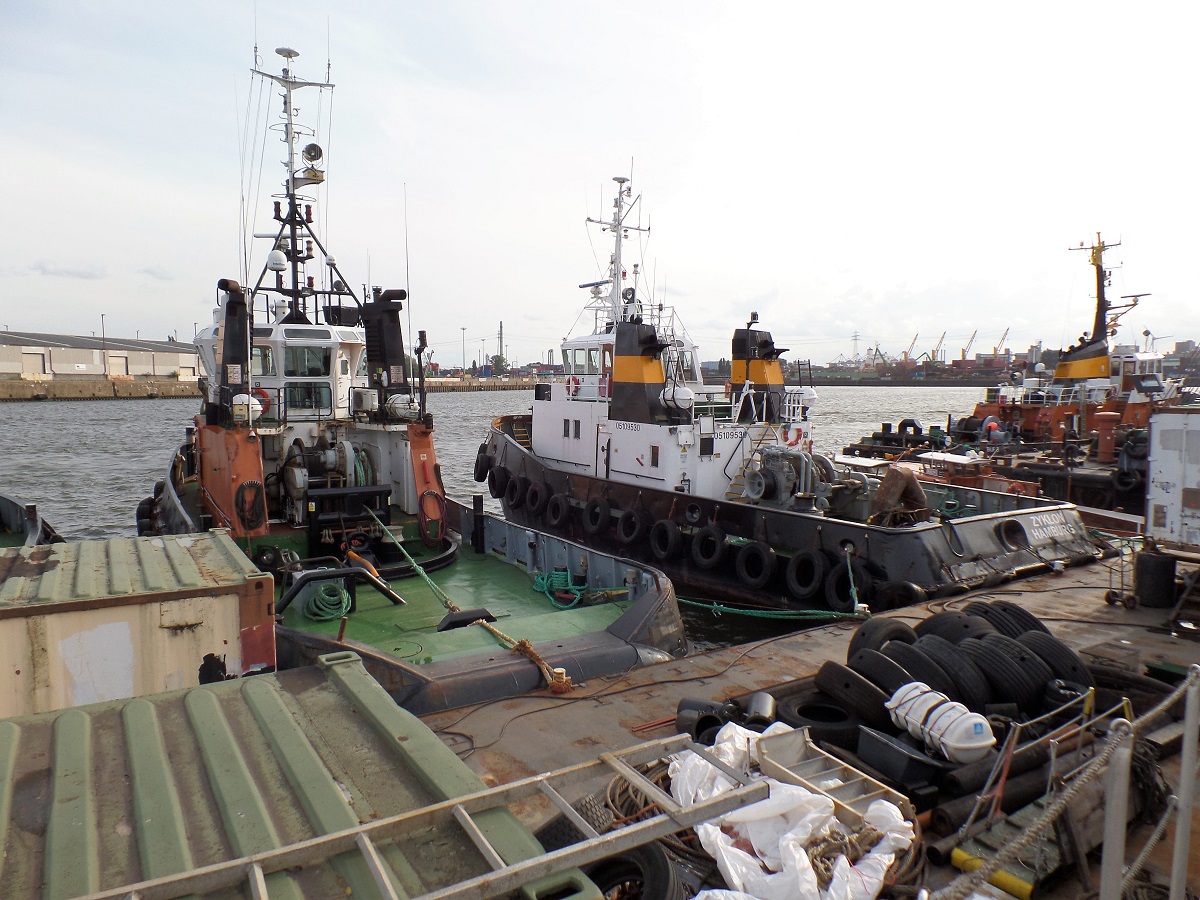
262 361
593 361
316 396
306 362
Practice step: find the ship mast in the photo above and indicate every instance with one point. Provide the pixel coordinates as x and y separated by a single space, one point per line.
621 209
287 253
1096 260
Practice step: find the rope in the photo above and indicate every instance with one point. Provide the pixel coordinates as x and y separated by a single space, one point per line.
552 583
525 648
330 601
817 615
437 591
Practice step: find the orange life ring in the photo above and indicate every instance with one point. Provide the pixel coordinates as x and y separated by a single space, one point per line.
263 397
1017 488
573 385
792 442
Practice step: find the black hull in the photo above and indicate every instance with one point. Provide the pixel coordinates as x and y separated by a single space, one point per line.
891 566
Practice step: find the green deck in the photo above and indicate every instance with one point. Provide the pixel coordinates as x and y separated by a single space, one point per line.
472 581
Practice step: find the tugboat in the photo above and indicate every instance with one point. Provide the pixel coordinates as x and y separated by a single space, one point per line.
314 448
1081 433
721 488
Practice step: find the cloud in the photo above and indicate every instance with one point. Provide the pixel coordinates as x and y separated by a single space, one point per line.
157 272
67 270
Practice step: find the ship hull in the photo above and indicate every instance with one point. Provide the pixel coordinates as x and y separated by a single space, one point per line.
1006 537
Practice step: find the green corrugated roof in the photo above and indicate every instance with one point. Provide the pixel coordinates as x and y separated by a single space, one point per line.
121 568
101 796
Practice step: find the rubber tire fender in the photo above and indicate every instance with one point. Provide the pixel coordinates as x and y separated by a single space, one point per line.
483 463
882 671
537 495
666 540
896 595
954 626
632 526
921 667
708 547
875 632
837 585
826 720
999 619
1021 616
1062 660
497 479
514 492
558 511
806 573
974 692
754 565
645 871
1009 683
855 693
1032 664
1125 480
597 516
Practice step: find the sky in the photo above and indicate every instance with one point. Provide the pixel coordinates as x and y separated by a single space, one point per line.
890 170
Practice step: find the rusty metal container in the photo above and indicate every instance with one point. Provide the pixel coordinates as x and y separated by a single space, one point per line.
90 621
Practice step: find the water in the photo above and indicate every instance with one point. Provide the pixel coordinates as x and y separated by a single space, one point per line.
86 464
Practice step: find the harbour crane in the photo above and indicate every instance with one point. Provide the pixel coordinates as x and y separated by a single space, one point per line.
934 356
907 355
970 343
999 344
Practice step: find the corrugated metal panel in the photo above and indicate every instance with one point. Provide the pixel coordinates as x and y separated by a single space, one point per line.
107 795
120 568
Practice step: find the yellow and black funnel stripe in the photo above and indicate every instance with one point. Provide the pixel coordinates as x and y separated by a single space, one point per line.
1089 361
638 375
755 359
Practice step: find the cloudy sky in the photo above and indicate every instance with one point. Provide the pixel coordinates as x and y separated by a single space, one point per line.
884 169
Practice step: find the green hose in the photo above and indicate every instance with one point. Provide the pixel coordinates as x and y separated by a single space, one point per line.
330 601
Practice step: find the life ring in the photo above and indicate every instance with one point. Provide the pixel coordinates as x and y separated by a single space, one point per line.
573 386
1017 488
792 441
263 397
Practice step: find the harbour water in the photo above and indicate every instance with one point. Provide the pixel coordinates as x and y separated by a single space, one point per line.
86 464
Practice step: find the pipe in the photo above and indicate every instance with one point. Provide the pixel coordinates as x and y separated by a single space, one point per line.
1187 787
1116 810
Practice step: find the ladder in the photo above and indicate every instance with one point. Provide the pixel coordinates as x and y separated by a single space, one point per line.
520 433
252 871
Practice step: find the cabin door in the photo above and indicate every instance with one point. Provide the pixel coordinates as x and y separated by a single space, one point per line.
602 460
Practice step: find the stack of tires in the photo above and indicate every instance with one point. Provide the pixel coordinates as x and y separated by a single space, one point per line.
994 658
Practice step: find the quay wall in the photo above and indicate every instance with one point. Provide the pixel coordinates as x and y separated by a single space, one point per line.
15 389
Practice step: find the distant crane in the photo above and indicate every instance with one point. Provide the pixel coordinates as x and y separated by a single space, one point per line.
907 354
999 344
934 357
970 343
